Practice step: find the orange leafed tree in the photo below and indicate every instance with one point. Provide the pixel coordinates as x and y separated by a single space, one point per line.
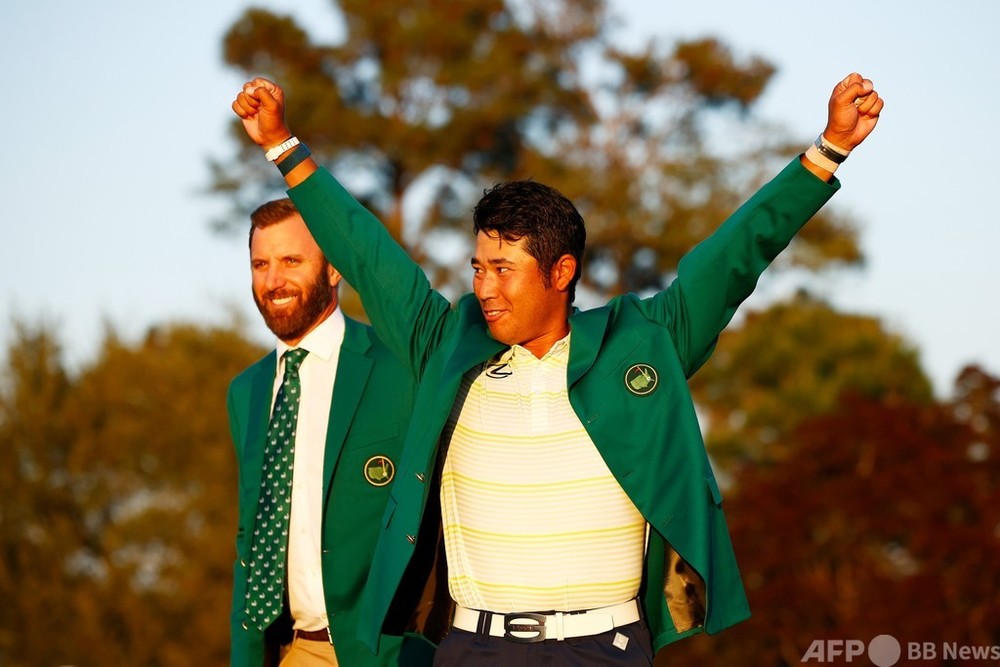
884 519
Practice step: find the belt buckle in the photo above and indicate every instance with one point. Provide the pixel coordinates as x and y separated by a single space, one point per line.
535 624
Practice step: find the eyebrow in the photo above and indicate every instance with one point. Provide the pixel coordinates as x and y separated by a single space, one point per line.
293 255
493 262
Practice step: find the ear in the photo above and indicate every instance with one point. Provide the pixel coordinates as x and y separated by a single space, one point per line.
333 275
562 272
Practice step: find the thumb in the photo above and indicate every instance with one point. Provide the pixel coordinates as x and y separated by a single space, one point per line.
270 96
852 88
848 81
268 99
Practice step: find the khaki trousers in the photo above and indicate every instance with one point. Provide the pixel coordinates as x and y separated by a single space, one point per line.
308 653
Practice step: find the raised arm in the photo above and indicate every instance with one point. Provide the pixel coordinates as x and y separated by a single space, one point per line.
261 107
718 274
408 315
852 114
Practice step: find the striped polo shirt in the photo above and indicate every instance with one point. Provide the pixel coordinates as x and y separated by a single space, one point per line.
533 518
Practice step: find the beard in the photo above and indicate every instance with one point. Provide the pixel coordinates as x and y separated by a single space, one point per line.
297 318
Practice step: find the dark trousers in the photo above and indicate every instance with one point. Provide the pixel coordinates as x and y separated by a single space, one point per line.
461 648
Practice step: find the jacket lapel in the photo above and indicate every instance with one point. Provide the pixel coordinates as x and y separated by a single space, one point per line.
475 344
257 421
588 329
353 368
475 347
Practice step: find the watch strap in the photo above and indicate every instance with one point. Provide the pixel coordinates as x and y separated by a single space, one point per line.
831 151
293 159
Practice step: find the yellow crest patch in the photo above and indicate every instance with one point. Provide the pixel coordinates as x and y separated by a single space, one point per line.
379 470
641 379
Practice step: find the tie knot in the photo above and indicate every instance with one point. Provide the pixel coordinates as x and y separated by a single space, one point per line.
293 359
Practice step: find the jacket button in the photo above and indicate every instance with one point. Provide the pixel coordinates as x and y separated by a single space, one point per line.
243 563
245 625
420 477
412 539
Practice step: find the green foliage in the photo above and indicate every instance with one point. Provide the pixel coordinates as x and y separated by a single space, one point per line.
441 99
791 362
118 514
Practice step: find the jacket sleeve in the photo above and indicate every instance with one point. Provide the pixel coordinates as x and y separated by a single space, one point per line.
719 273
405 312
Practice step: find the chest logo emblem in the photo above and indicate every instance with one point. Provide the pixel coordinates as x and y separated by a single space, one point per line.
499 371
379 470
641 379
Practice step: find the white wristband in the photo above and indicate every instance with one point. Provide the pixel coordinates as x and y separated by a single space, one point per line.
825 144
274 153
820 160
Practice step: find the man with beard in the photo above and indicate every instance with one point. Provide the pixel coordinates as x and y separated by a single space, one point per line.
311 492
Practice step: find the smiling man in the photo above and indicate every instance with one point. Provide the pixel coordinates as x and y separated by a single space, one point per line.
554 454
525 274
342 402
294 287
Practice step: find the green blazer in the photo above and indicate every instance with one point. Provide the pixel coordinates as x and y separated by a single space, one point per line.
371 405
647 432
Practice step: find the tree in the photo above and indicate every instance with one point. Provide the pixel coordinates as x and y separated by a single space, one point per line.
118 517
440 99
793 361
33 524
882 519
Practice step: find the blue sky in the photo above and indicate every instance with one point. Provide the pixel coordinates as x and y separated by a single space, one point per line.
111 109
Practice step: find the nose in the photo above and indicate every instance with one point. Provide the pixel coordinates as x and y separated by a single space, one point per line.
274 278
485 286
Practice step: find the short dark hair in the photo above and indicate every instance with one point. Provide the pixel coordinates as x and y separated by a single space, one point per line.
543 216
271 213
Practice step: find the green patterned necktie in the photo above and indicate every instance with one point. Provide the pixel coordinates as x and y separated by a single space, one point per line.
266 579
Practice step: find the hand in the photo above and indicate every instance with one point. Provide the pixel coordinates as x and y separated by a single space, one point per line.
261 107
853 111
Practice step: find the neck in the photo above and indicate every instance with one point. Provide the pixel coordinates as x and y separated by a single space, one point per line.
327 312
541 345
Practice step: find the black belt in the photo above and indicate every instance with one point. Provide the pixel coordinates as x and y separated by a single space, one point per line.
315 635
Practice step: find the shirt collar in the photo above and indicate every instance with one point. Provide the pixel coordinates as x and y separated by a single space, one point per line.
324 341
559 349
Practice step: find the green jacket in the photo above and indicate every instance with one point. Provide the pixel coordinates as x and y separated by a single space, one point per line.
650 441
372 401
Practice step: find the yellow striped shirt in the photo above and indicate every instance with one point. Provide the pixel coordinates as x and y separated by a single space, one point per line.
533 518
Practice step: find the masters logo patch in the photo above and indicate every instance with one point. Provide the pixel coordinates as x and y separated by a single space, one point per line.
641 379
379 470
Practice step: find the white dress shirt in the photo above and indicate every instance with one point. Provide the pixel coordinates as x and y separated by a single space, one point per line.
317 375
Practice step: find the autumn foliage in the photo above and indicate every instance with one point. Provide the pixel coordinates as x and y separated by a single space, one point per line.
860 504
883 519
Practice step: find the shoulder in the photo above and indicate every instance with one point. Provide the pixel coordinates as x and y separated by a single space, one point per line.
362 339
242 387
467 302
608 312
385 379
246 377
